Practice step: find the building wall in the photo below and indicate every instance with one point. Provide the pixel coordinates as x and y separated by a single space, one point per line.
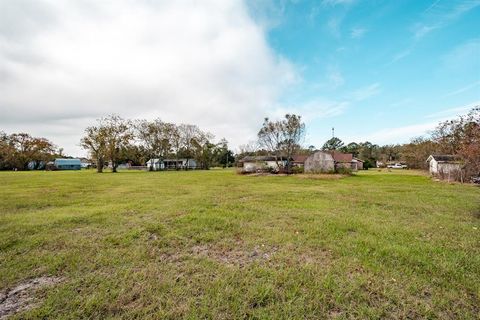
433 166
319 162
253 166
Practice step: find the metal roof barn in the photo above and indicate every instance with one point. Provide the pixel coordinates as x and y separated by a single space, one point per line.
68 164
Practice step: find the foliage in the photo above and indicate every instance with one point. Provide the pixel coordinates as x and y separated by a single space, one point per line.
17 150
282 138
333 144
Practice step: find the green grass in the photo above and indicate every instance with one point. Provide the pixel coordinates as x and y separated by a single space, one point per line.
213 244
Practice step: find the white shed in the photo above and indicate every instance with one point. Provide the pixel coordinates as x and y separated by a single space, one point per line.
444 165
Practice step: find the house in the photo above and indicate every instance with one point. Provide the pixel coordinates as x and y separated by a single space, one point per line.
445 166
67 164
299 160
343 160
262 163
165 164
319 162
357 164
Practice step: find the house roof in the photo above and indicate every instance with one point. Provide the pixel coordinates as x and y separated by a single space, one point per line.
444 158
300 158
342 157
67 162
261 158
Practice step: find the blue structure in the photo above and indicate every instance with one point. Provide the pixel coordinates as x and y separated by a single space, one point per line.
67 164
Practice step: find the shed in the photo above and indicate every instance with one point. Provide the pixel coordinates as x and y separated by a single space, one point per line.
67 164
442 164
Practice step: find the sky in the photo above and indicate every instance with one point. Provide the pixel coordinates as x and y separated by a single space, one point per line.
382 71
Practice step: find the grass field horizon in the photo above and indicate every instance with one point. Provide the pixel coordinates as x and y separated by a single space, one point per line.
215 244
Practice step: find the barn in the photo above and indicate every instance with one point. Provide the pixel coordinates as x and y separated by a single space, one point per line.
319 162
67 164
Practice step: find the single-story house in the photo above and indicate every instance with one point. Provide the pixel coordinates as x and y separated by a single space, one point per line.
319 162
343 160
299 160
67 164
261 163
357 164
444 165
163 164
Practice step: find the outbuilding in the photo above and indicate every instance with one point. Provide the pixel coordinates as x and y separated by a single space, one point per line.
445 166
67 164
164 164
319 162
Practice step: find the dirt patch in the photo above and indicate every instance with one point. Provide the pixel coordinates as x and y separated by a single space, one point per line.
22 297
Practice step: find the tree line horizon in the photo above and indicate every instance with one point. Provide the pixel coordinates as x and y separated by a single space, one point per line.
117 140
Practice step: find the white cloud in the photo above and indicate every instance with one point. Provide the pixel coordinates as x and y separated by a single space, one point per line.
463 89
357 33
65 63
314 109
366 92
453 112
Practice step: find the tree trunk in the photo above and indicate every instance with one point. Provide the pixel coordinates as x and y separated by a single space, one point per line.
99 165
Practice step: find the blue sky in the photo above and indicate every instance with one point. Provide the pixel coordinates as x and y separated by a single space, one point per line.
382 71
385 71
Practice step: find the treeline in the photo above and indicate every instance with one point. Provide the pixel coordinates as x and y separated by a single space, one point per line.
460 136
21 151
117 140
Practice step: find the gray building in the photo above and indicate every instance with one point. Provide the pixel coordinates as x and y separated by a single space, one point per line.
67 164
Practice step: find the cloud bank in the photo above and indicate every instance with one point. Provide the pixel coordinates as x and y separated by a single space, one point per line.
65 63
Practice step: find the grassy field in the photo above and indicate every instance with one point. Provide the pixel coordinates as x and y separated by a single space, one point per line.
213 244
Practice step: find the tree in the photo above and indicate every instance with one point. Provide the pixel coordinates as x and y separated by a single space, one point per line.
118 134
94 140
188 134
282 138
25 148
293 131
333 144
155 137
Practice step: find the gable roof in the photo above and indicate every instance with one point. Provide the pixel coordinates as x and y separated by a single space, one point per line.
67 162
259 158
341 157
444 158
300 158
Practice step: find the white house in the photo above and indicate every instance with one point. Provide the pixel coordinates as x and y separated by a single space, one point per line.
444 165
261 163
162 164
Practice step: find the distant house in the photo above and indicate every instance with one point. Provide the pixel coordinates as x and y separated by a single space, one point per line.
357 164
444 166
67 164
164 164
299 160
261 163
319 162
343 160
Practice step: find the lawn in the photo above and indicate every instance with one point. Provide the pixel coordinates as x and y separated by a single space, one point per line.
214 244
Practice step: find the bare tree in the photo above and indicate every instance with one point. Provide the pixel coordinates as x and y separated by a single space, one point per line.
282 138
293 132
